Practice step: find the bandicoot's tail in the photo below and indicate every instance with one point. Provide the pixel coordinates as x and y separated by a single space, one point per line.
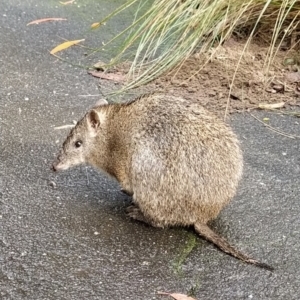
220 242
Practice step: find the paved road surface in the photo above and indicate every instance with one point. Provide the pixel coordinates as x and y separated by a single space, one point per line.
75 242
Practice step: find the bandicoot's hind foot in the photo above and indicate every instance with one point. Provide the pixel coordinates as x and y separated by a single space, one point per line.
220 242
134 212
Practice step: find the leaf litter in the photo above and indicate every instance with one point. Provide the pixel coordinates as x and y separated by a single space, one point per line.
65 45
211 84
116 77
176 296
45 20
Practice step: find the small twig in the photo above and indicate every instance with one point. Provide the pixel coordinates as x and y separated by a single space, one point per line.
275 129
64 126
89 95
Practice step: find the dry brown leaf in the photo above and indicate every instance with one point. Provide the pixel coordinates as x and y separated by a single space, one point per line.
271 106
64 46
117 77
46 20
293 77
177 296
67 2
101 102
95 25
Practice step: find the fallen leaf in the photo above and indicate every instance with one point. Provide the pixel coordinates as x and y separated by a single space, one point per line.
270 106
177 296
266 119
289 62
293 77
95 25
45 20
117 77
67 2
64 46
101 102
278 88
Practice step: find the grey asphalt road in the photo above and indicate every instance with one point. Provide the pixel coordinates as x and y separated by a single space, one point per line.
74 241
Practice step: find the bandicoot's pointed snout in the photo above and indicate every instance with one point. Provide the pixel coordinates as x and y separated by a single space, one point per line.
53 167
60 165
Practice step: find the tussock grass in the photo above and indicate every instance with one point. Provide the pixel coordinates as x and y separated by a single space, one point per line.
170 31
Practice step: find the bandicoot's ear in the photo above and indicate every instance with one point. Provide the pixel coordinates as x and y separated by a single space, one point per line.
93 120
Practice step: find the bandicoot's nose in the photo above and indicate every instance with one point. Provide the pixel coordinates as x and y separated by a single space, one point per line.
53 167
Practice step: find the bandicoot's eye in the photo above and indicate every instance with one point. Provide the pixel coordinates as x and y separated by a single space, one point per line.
78 143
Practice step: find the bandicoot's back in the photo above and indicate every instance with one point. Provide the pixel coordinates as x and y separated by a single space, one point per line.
185 164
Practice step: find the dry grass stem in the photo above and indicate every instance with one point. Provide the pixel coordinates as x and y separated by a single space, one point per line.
170 31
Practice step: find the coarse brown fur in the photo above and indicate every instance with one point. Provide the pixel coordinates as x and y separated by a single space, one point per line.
180 163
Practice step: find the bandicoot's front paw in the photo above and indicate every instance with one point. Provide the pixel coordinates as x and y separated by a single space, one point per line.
134 212
128 193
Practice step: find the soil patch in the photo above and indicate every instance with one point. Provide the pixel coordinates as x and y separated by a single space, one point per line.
252 84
